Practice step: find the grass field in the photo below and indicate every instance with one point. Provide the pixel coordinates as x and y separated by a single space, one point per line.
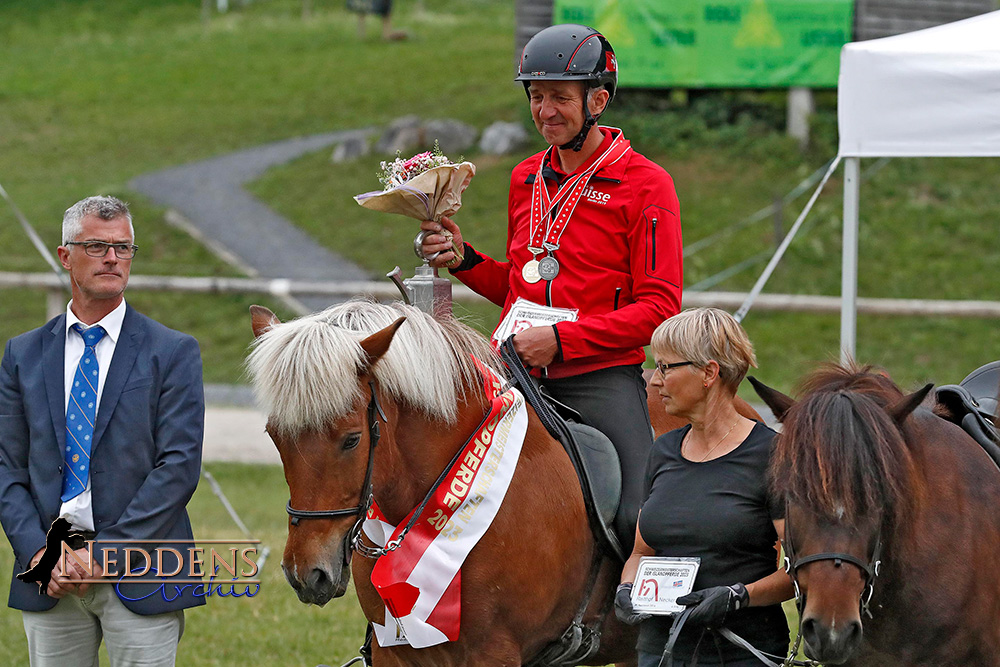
93 94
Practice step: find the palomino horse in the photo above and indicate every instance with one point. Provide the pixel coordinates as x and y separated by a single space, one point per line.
526 579
891 513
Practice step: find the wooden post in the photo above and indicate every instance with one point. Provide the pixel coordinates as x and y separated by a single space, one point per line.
800 107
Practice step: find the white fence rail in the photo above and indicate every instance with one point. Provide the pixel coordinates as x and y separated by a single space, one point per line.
386 290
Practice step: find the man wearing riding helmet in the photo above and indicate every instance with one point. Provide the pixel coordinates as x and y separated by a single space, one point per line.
593 227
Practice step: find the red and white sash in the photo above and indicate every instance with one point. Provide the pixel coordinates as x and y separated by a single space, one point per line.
420 582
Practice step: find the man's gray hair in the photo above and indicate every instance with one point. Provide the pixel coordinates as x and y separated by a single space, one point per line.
104 207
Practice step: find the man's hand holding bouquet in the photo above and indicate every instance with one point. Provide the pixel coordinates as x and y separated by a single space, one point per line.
428 187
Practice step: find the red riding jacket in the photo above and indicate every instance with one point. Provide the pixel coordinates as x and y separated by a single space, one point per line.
620 260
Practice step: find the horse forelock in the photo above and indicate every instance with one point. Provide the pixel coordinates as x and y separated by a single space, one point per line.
840 455
305 372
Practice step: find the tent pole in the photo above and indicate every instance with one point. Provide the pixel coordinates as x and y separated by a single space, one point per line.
849 271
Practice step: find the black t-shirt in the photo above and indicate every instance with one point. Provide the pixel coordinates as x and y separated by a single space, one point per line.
720 511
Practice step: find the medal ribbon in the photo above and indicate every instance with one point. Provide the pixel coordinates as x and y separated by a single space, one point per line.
545 231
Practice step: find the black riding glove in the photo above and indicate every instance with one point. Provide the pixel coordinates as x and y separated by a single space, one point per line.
623 606
710 606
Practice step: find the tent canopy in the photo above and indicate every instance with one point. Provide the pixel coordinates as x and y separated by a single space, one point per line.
929 93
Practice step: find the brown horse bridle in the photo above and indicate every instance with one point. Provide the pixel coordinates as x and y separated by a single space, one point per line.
871 569
351 540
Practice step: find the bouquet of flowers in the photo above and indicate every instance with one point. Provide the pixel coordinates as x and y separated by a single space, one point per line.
426 186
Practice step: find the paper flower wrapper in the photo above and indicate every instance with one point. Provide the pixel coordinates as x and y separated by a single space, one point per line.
430 195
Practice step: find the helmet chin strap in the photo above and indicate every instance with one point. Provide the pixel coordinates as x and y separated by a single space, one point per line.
576 143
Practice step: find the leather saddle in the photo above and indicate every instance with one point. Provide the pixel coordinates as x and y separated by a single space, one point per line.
592 453
972 404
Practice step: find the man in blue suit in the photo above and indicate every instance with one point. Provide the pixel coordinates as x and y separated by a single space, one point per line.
101 422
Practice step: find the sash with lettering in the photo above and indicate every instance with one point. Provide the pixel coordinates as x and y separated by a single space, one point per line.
420 582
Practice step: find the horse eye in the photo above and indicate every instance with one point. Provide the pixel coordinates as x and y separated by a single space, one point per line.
352 441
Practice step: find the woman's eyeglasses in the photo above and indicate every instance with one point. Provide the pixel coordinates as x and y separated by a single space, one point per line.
663 368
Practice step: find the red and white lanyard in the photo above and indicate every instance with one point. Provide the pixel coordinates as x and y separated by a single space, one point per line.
546 230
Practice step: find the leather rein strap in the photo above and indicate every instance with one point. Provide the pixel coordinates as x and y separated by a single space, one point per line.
558 430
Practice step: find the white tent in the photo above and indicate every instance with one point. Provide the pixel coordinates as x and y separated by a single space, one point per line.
929 93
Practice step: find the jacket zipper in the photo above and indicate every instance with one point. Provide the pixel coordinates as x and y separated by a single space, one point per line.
653 265
618 293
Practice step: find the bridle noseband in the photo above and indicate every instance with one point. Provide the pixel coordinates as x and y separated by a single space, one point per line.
364 502
352 540
871 569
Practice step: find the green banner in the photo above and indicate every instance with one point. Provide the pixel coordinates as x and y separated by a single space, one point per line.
719 43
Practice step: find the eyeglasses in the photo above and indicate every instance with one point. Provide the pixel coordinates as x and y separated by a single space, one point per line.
663 368
100 248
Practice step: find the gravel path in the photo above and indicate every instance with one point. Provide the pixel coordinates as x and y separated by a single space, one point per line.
210 197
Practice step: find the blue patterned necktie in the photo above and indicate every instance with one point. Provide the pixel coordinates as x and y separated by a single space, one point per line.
80 414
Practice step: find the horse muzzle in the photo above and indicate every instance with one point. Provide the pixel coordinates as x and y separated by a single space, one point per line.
319 584
829 644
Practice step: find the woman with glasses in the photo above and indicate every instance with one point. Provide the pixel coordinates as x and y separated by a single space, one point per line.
708 499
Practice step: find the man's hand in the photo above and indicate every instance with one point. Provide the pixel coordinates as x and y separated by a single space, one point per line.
536 346
62 584
437 242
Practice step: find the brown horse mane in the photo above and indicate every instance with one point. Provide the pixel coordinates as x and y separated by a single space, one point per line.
840 455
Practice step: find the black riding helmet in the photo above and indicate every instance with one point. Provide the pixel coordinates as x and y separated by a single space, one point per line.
570 52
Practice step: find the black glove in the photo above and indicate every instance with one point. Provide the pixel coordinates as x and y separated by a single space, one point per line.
623 606
712 605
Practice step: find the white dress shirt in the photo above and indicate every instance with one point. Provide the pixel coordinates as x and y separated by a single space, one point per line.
79 511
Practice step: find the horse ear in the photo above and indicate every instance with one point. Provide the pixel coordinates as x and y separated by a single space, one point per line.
378 343
262 319
778 402
902 409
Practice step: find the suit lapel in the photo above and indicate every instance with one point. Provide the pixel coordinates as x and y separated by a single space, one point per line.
54 371
126 351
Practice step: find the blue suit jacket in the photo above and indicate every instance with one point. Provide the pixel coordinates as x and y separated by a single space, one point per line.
145 456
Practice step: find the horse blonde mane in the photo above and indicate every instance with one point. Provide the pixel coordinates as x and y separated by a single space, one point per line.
305 371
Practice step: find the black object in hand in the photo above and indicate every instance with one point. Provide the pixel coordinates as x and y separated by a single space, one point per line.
41 571
623 606
712 605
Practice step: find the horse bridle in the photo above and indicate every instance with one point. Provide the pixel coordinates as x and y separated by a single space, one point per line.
352 540
365 501
871 569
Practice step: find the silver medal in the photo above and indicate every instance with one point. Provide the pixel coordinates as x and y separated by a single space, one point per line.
548 268
530 271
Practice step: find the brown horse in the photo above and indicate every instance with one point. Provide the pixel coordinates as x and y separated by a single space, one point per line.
525 580
870 476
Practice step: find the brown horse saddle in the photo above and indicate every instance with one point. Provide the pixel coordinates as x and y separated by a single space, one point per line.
972 404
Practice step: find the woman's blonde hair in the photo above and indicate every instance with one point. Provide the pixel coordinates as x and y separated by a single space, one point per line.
701 335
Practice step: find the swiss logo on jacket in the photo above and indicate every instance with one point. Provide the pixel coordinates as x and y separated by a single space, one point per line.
596 196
